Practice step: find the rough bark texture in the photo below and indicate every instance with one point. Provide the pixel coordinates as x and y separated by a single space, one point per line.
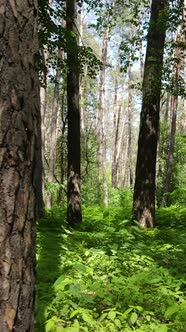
74 215
19 153
144 190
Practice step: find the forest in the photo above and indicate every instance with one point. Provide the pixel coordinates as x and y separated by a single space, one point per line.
93 166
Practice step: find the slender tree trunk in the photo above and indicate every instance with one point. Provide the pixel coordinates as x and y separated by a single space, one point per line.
141 58
184 63
115 128
101 111
43 89
53 126
144 189
101 150
19 149
43 111
129 123
123 160
170 158
104 160
118 137
81 78
62 145
167 108
74 214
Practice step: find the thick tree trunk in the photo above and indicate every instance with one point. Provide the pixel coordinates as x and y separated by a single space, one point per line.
19 149
74 214
144 189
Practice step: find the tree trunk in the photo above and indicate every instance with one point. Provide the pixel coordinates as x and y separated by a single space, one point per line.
141 57
184 60
129 124
118 136
82 123
101 117
115 128
53 126
74 214
19 148
170 158
43 103
63 166
144 189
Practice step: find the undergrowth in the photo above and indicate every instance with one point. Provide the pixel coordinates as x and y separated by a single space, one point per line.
109 276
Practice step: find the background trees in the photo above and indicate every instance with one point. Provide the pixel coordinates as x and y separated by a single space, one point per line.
112 45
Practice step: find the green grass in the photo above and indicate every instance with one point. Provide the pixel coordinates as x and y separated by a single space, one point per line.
110 276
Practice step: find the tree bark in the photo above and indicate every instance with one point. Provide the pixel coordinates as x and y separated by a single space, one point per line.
170 158
118 136
74 215
19 149
184 54
115 127
53 126
129 125
144 189
82 124
101 118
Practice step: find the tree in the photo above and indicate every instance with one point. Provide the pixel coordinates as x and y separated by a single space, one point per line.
74 215
20 155
101 150
170 157
53 126
144 189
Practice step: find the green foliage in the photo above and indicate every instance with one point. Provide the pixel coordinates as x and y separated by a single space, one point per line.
178 182
110 276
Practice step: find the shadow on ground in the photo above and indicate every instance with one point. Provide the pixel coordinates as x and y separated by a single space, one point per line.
48 243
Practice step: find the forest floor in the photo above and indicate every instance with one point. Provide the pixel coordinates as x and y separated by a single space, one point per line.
109 276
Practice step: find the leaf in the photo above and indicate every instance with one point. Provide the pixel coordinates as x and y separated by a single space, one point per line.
111 315
51 323
139 308
74 313
127 312
162 328
103 316
133 318
60 329
171 311
80 267
87 318
117 322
